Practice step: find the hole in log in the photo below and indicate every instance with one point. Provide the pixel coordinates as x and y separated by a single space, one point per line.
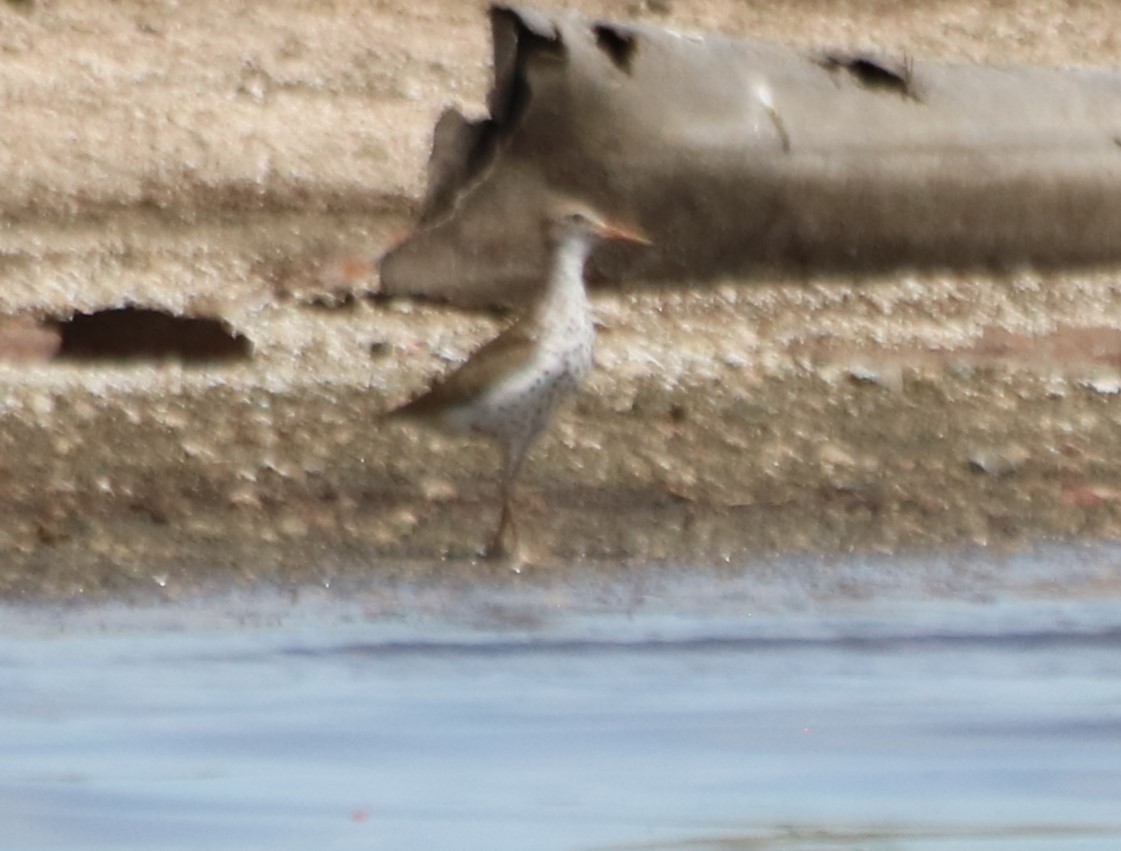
874 72
136 333
619 45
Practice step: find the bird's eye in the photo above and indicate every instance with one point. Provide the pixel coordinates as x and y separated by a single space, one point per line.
578 218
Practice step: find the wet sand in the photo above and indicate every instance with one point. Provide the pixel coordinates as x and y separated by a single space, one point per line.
247 164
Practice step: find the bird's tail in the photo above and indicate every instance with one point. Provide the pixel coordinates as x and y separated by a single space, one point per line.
398 414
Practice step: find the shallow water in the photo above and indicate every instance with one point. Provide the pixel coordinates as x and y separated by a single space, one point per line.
688 711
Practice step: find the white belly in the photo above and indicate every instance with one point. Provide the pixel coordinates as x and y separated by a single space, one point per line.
518 407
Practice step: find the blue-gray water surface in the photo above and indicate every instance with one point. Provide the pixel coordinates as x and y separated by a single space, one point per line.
757 709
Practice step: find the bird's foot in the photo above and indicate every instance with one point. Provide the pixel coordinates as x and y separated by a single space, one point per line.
511 554
504 541
496 549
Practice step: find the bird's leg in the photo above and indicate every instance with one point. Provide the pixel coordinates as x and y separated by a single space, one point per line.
507 528
497 547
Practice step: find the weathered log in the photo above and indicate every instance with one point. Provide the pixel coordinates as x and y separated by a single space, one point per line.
741 157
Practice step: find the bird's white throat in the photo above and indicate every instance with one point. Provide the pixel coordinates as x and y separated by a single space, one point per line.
565 286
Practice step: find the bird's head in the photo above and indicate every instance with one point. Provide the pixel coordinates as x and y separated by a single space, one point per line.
568 219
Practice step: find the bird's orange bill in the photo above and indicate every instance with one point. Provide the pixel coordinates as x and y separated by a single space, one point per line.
609 231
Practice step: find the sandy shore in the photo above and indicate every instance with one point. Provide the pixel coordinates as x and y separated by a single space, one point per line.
246 163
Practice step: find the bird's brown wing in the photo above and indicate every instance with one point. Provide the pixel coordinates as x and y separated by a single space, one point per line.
503 355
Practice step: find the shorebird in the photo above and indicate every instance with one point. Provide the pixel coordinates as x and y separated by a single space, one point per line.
509 388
